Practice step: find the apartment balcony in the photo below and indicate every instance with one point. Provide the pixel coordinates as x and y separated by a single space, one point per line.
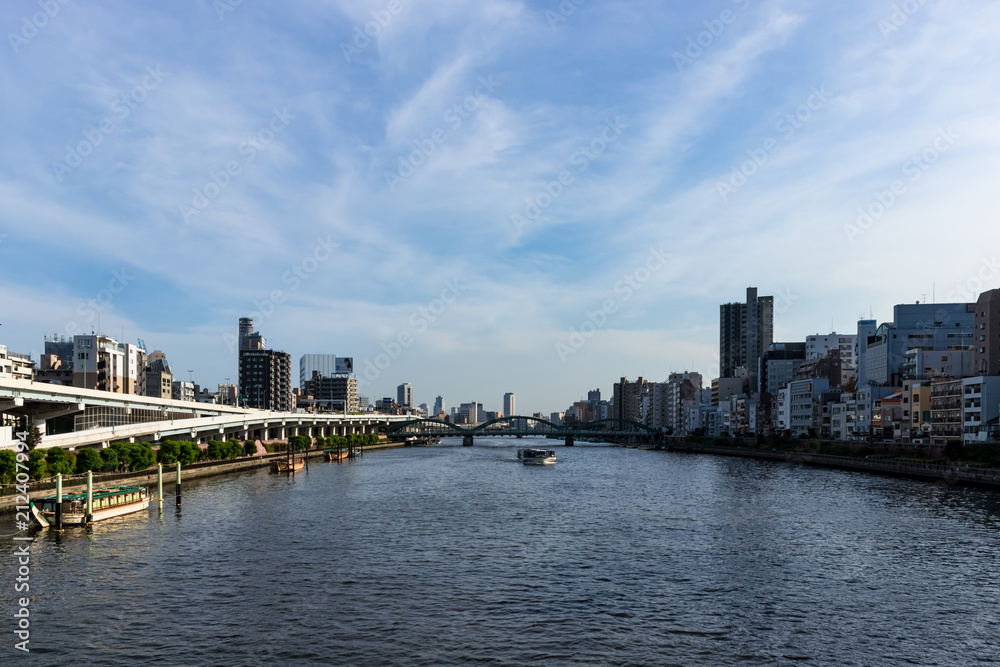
951 393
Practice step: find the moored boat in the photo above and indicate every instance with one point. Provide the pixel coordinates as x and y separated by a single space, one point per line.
284 465
107 503
335 454
537 456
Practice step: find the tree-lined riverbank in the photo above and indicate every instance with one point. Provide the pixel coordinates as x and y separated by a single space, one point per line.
147 476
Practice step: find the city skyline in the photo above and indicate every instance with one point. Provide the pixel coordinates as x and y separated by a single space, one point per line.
490 197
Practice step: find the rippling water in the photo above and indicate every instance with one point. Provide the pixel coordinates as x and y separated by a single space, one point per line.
448 555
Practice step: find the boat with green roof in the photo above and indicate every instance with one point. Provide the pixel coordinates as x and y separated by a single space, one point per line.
107 503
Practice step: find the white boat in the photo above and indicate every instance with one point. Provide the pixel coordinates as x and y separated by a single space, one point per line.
537 456
108 503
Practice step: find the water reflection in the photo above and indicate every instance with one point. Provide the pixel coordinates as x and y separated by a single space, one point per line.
448 554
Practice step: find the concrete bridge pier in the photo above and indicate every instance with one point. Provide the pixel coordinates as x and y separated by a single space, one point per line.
569 440
467 441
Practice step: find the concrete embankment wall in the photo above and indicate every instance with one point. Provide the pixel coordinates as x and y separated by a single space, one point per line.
989 477
147 478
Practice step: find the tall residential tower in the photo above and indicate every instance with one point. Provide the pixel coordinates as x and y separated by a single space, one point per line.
746 330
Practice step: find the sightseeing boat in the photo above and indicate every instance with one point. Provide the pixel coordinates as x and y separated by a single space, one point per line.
285 465
335 454
537 456
107 503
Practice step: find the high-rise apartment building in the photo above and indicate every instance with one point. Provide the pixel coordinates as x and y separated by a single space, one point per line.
404 395
266 379
250 340
746 330
628 399
508 405
265 376
987 333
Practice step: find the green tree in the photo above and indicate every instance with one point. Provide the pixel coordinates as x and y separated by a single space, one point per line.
168 452
215 450
110 458
249 448
134 456
88 459
233 448
59 461
37 467
297 442
143 455
33 437
189 453
8 466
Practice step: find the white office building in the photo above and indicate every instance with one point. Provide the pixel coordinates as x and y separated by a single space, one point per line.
326 364
508 405
818 346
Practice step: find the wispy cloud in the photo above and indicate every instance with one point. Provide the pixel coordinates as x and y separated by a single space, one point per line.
555 87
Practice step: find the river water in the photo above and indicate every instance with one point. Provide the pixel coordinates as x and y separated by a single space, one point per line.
450 555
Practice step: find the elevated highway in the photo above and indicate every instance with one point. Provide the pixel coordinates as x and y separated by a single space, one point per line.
87 418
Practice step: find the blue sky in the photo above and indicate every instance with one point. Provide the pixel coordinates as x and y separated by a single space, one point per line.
480 181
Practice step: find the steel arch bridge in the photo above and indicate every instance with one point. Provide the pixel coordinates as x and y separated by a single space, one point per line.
518 426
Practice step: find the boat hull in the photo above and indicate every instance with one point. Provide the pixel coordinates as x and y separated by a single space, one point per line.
285 466
100 515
